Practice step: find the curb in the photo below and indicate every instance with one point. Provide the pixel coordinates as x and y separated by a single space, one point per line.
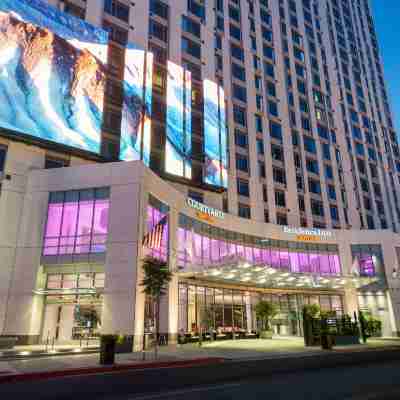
34 376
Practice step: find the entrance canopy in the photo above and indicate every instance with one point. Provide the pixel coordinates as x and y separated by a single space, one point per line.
241 272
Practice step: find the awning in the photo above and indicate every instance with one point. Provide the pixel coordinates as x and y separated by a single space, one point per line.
261 275
67 292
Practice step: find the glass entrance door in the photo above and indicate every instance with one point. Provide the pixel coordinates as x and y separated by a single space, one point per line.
71 318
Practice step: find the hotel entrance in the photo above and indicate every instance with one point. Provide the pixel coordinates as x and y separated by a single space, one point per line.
73 308
229 311
225 274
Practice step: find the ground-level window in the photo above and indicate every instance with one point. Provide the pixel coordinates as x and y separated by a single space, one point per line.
226 310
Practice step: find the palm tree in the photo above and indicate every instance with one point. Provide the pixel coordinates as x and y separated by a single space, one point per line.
155 281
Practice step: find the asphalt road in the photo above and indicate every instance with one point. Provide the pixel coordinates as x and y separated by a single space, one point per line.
370 382
367 382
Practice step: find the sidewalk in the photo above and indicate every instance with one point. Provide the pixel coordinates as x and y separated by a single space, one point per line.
25 352
234 350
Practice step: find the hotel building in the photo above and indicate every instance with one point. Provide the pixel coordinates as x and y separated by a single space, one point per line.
268 143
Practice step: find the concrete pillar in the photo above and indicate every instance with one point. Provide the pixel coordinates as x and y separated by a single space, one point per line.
94 12
139 21
248 313
392 318
350 302
394 307
22 219
391 262
140 297
120 285
173 311
173 287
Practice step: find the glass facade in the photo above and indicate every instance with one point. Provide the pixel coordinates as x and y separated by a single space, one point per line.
73 306
83 280
77 222
201 245
156 211
226 310
367 259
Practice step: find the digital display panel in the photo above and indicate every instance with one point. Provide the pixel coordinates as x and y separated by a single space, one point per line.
215 136
52 74
179 122
136 108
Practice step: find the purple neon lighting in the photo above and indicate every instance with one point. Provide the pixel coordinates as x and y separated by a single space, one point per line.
76 227
197 250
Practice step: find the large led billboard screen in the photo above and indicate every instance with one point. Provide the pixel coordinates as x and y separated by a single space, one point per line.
178 146
215 135
52 74
136 108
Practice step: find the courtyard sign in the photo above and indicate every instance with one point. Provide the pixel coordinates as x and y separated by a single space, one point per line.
203 209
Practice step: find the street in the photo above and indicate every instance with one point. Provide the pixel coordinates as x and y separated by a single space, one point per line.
368 382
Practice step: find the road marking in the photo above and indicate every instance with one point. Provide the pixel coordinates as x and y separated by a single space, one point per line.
154 396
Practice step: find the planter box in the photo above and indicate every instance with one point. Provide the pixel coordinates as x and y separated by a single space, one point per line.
7 343
251 336
327 342
266 334
107 349
346 340
126 346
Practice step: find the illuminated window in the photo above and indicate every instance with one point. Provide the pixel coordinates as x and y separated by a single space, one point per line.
367 259
77 222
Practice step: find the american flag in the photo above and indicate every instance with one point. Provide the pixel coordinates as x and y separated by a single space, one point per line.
153 239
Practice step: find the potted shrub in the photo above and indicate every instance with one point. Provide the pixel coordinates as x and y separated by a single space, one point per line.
373 327
326 336
311 310
266 311
310 313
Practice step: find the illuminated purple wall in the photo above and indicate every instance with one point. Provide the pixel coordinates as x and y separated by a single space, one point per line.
367 259
76 227
199 250
366 263
154 216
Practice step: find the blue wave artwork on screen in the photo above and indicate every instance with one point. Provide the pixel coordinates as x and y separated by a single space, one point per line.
52 74
224 138
178 147
215 138
136 109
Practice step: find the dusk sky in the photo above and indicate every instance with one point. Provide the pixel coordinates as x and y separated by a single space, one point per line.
387 24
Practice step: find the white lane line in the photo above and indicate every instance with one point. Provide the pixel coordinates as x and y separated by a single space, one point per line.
173 393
